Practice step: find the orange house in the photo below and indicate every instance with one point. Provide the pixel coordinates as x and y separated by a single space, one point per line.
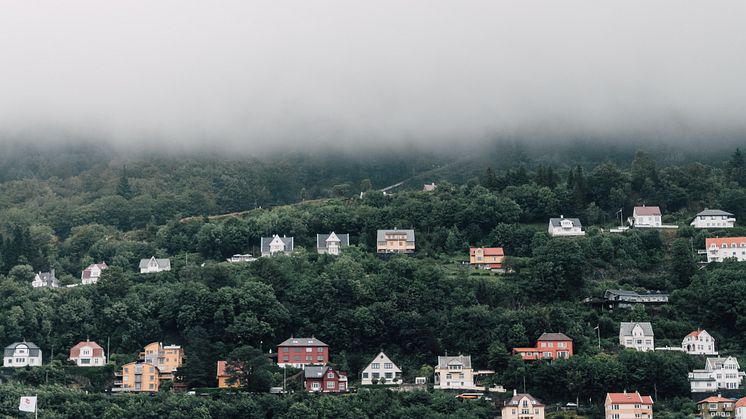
628 405
224 379
137 377
486 257
548 346
167 358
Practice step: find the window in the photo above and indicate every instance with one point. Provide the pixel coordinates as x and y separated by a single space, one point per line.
286 358
330 384
309 358
297 357
315 385
376 365
320 349
285 349
330 375
297 349
365 375
449 376
151 386
309 349
389 375
320 358
377 374
388 366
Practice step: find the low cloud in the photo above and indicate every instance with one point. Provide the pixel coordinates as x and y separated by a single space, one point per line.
258 75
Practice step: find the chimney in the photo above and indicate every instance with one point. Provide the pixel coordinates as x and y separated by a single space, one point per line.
515 392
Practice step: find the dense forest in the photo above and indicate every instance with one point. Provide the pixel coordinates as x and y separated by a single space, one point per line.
64 209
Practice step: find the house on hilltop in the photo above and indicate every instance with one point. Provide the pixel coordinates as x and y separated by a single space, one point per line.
522 406
332 244
381 370
21 354
154 265
725 248
713 218
562 226
699 342
719 373
276 245
299 352
549 346
92 273
45 280
324 379
638 336
87 354
628 405
395 241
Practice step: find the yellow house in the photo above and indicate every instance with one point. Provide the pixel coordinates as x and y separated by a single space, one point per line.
137 377
486 257
224 379
395 241
167 358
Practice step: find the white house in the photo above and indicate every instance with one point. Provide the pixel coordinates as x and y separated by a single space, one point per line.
741 408
87 354
522 406
713 218
154 265
720 249
719 373
645 217
331 244
92 273
45 279
241 258
276 244
381 371
699 342
21 354
454 372
638 336
565 227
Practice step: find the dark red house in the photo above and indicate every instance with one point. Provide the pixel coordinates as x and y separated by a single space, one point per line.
299 352
324 379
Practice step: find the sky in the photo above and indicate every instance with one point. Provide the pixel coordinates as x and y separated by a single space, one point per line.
267 74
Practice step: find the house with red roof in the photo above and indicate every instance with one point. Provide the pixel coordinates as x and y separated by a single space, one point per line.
725 248
88 354
716 407
741 408
699 342
549 346
628 405
486 257
645 217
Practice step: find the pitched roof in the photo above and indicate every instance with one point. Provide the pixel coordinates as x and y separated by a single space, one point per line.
717 362
629 398
643 210
716 399
625 328
444 361
32 348
312 341
728 241
265 242
382 357
162 263
696 333
557 222
516 400
741 402
321 240
707 212
554 336
488 251
97 349
381 236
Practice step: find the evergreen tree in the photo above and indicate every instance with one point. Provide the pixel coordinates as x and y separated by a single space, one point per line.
123 188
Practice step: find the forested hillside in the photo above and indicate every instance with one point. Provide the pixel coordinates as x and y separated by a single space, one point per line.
61 211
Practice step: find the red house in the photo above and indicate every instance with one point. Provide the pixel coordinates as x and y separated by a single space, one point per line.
299 352
548 346
324 379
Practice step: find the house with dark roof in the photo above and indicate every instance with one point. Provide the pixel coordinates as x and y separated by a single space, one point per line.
522 406
565 227
22 354
92 273
276 245
549 346
45 280
637 335
324 379
395 241
713 218
87 354
298 352
626 298
332 244
153 265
